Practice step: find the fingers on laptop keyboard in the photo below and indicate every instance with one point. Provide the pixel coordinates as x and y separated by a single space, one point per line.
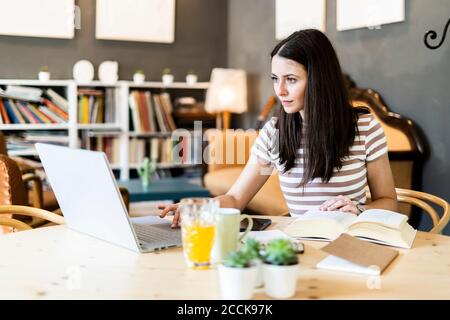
167 209
176 219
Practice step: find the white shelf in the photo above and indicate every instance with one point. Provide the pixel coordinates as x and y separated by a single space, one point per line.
34 126
174 85
150 135
118 129
96 83
25 152
96 126
50 83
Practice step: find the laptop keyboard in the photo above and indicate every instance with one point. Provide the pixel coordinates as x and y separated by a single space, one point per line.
157 234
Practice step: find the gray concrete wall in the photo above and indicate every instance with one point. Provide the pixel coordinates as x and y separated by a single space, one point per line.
413 80
200 44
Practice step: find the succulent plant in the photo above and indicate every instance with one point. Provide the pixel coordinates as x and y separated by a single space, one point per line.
280 252
139 71
252 248
44 69
238 259
167 71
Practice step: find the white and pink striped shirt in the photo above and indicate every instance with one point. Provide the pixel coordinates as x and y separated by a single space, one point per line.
349 181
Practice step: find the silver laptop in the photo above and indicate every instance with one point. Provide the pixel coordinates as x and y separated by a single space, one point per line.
91 202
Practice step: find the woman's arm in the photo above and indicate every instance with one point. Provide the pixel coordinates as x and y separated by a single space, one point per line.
381 184
251 179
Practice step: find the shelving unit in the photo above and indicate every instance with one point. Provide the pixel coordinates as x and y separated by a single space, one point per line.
119 129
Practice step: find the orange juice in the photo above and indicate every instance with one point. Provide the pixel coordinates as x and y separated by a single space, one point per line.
198 240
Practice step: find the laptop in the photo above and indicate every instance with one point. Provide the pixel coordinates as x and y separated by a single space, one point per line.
91 203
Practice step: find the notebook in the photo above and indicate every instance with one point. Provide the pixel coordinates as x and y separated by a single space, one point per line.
351 254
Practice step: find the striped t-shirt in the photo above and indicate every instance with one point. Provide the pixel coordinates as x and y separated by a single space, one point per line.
349 181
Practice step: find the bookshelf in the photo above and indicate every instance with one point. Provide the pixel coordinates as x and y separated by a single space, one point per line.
118 128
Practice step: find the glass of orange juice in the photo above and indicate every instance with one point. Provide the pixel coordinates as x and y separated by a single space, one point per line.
198 230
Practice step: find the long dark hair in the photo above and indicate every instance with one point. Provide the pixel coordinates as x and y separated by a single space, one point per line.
330 121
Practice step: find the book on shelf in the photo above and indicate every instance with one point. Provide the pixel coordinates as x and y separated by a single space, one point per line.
4 114
109 145
150 112
55 109
167 107
374 225
57 99
163 127
97 106
23 92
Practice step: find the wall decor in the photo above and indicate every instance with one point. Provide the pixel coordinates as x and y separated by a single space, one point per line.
43 18
137 20
293 15
355 14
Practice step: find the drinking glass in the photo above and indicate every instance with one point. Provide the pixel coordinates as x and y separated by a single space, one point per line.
198 230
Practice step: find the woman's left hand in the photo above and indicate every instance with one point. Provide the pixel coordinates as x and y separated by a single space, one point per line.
340 203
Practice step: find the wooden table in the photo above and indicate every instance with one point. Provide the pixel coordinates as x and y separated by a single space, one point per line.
58 263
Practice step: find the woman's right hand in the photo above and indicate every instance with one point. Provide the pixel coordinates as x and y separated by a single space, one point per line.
171 208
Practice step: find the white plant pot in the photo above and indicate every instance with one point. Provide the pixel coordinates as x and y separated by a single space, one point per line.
280 281
44 76
191 79
167 79
259 281
138 78
237 283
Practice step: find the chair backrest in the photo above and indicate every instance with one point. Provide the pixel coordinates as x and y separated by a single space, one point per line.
3 149
12 186
407 146
423 200
7 221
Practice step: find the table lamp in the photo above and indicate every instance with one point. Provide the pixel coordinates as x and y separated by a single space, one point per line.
227 93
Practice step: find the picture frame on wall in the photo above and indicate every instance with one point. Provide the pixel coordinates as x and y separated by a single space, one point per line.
137 20
356 14
294 15
43 18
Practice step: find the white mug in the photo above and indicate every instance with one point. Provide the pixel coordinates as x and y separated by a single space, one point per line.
227 232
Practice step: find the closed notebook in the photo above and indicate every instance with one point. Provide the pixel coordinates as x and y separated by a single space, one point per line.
375 225
350 254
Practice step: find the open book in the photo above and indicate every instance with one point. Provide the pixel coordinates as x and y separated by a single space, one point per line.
375 225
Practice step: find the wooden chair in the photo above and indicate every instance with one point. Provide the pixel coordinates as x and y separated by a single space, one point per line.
423 200
35 213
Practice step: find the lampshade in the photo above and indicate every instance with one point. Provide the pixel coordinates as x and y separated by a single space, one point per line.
227 91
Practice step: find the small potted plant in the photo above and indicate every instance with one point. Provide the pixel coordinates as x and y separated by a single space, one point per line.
191 77
44 74
280 268
139 76
237 276
167 76
252 248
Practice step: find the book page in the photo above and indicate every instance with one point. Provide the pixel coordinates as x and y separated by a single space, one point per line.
383 217
325 225
343 218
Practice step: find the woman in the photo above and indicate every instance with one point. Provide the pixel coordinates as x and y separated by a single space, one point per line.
325 151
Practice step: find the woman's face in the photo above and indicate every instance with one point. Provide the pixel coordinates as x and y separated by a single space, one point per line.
289 82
